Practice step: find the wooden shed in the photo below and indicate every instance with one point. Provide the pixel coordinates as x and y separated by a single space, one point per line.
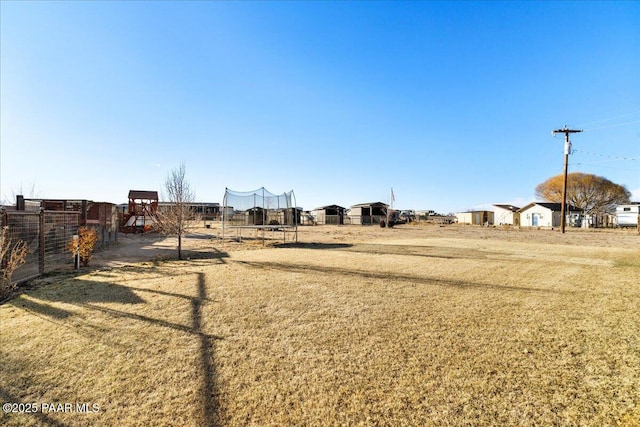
368 213
475 217
331 214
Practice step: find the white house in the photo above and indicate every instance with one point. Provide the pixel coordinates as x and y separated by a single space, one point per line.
627 215
506 215
543 214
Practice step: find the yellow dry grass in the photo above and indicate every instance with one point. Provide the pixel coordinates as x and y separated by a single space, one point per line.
352 326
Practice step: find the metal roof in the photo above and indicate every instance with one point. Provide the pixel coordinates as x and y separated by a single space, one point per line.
508 207
550 206
363 205
329 207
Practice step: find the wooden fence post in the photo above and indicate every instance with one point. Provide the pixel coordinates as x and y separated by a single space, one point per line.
103 225
3 223
42 242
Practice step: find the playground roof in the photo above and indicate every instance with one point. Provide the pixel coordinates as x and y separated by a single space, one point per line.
143 195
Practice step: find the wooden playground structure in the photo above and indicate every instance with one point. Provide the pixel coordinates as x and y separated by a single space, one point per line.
141 215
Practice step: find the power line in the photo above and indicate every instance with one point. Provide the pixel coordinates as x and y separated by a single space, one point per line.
596 165
606 155
610 118
614 125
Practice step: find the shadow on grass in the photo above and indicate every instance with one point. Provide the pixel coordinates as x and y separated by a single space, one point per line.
40 309
150 270
165 293
209 392
209 389
404 250
208 254
199 236
314 245
420 251
90 295
432 281
74 291
90 291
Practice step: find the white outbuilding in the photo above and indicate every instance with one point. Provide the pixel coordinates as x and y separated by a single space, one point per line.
506 215
627 215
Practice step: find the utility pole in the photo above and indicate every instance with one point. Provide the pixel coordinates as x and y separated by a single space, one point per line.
567 151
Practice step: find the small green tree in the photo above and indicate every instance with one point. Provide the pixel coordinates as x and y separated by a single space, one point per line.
12 256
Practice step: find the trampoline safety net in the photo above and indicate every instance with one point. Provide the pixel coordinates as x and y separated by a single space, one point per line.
260 209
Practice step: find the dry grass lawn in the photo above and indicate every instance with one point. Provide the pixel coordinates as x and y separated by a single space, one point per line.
353 326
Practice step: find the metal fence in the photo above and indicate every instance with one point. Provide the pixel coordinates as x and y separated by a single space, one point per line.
59 228
47 234
25 227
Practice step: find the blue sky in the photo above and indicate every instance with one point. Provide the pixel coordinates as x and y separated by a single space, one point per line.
450 103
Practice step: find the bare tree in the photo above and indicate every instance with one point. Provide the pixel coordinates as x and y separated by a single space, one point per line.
33 193
174 219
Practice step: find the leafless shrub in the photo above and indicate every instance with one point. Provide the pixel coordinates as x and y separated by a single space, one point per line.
12 256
